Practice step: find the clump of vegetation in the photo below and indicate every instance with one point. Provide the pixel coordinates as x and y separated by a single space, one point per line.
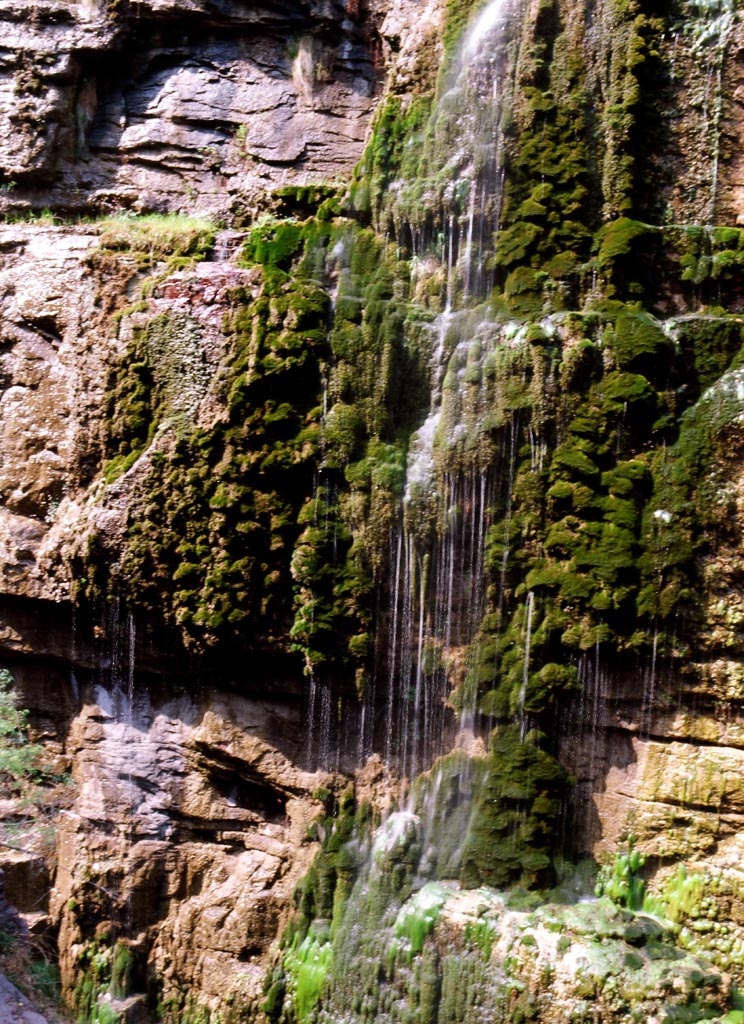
34 781
30 966
417 918
621 880
271 522
216 526
38 791
21 762
516 819
157 237
306 965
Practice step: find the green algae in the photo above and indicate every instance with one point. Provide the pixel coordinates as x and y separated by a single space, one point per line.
517 813
622 966
622 882
105 972
306 968
418 916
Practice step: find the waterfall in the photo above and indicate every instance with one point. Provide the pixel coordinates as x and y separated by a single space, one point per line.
433 605
437 594
526 669
708 26
487 22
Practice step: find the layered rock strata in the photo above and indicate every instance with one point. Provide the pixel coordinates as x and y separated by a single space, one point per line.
164 106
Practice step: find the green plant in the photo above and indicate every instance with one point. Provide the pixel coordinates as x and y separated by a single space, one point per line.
19 759
417 916
307 965
621 880
122 963
44 979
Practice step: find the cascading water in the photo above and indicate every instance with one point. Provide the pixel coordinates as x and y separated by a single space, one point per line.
526 671
436 597
514 564
709 26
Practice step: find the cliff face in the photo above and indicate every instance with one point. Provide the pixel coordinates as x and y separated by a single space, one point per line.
167 106
188 830
444 452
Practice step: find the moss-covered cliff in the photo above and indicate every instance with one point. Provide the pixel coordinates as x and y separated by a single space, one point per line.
445 458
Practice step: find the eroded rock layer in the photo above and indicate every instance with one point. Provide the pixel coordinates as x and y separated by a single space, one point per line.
160 106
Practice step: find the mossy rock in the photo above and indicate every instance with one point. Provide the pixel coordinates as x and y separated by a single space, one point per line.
640 345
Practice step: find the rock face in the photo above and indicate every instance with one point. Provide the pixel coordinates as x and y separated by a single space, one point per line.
195 781
187 838
189 831
48 309
164 106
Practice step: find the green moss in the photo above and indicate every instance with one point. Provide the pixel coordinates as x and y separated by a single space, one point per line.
619 239
305 200
104 972
393 152
272 244
294 987
417 917
214 530
306 966
122 964
641 346
523 291
513 829
708 345
244 542
621 881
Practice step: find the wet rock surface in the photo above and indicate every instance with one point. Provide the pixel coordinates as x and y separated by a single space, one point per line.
189 827
188 836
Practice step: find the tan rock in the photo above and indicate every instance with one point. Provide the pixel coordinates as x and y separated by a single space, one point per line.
160 833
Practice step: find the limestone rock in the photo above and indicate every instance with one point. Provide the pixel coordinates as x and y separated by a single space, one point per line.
47 369
191 821
158 105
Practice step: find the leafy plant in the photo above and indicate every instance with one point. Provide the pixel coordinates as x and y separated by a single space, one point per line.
621 881
19 759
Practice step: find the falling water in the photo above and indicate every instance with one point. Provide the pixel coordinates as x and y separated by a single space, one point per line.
74 683
436 607
130 665
312 717
433 609
487 21
526 668
437 594
393 651
649 685
709 25
321 752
